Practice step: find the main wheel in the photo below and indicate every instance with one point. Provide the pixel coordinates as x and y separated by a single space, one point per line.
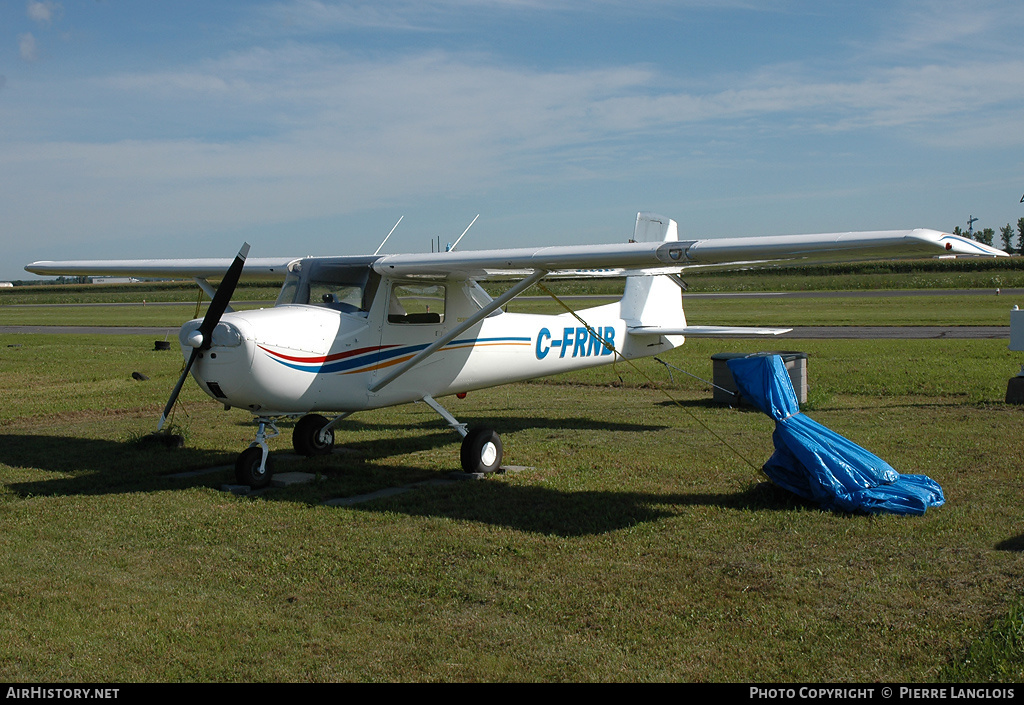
247 468
481 451
306 436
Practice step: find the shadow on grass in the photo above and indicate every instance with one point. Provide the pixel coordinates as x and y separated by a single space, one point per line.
95 466
82 466
78 466
543 510
1015 544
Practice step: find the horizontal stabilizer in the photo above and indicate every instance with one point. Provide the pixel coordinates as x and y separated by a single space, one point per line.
707 331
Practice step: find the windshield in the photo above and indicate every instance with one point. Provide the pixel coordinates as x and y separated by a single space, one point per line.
348 288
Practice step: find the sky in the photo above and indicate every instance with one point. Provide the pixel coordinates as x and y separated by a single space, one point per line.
146 129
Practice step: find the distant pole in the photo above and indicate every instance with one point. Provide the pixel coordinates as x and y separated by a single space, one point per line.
971 220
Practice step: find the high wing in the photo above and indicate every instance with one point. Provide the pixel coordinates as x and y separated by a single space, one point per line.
661 256
675 256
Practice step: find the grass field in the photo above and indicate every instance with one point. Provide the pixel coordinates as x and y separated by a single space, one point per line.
637 546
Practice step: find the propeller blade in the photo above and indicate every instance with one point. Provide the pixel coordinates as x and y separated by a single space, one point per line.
223 297
177 389
213 314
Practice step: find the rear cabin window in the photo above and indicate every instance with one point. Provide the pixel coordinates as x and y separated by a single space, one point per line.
416 303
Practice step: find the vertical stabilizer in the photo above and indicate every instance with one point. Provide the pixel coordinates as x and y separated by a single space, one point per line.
653 300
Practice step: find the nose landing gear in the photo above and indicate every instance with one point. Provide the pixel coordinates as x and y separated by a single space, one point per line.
253 467
313 435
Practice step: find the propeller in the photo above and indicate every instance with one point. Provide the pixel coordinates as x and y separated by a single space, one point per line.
201 338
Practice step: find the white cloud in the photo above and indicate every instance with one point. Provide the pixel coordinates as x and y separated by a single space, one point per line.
308 133
937 26
27 47
332 136
437 101
43 12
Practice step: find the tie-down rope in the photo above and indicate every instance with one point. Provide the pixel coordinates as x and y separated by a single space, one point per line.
608 345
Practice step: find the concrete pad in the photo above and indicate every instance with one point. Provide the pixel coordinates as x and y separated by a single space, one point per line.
201 471
379 494
462 475
287 479
240 490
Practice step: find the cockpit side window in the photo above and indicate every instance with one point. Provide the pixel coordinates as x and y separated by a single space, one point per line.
416 302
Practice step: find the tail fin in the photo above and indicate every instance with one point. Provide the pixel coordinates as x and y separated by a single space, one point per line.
653 300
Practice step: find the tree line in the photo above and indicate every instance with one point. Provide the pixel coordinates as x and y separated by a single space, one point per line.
987 236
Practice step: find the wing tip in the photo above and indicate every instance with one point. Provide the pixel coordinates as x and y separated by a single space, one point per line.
958 245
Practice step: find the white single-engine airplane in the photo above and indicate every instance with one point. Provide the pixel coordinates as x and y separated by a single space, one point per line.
352 333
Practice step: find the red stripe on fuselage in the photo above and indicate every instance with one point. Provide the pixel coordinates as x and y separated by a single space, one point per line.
325 358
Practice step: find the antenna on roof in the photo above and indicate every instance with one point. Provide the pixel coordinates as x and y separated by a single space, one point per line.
463 234
389 235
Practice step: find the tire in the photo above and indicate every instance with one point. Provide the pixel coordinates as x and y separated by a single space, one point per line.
306 436
247 469
481 451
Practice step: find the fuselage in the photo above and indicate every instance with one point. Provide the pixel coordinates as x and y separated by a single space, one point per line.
325 345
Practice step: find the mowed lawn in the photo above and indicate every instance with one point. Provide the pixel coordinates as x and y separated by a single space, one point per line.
639 543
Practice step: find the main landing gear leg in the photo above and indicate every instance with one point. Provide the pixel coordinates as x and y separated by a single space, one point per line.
481 447
253 466
314 435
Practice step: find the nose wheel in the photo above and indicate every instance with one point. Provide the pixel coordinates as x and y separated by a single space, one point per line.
253 466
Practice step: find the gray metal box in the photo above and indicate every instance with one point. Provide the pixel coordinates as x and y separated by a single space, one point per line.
721 375
1017 330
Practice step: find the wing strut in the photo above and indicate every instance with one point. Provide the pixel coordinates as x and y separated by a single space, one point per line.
210 291
483 313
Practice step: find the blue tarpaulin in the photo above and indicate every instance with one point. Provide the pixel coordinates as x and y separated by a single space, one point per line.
819 464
